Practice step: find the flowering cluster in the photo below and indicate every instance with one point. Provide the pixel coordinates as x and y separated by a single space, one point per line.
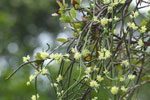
58 57
135 15
132 25
32 77
114 90
125 62
104 54
34 97
26 59
94 84
107 51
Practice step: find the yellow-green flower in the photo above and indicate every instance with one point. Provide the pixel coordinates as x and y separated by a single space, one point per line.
116 18
95 19
143 29
77 55
99 78
26 59
32 77
43 71
140 42
106 1
59 78
122 1
125 62
85 52
124 89
114 90
94 84
104 21
122 79
34 97
44 55
131 76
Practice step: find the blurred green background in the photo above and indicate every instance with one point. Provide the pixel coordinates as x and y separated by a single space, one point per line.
25 28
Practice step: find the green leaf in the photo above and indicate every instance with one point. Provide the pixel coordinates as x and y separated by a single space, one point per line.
38 56
61 40
144 22
79 25
65 18
73 12
59 2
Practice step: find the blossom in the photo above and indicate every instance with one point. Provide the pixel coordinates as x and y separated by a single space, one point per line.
122 1
55 84
58 93
110 8
36 72
94 84
136 14
110 19
26 59
95 68
73 50
143 29
95 98
122 79
77 55
115 3
86 77
99 78
106 72
67 60
140 42
107 54
85 52
131 16
66 57
43 71
89 69
34 97
52 56
32 77
104 21
28 83
95 19
59 78
125 62
114 90
116 18
44 55
124 89
106 1
58 57
129 24
114 31
132 25
104 54
131 76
